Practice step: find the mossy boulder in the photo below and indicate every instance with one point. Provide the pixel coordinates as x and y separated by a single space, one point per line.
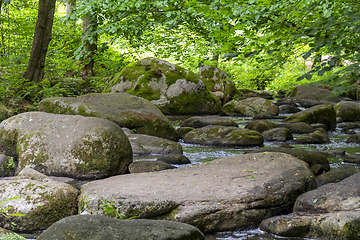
216 81
317 114
336 175
32 205
277 134
260 125
149 166
67 145
144 144
312 92
253 107
105 228
224 136
125 110
172 88
348 111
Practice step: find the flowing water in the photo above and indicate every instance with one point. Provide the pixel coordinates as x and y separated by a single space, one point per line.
199 154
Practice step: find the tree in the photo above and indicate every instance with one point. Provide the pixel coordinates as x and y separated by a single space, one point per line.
42 37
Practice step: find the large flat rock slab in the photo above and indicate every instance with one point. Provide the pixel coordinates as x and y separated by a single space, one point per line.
231 193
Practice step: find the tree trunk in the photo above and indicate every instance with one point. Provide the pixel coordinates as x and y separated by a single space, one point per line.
69 6
89 24
42 37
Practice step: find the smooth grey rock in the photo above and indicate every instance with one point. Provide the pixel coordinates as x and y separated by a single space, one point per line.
202 121
85 227
311 158
277 134
313 93
233 192
300 127
336 175
149 166
316 137
67 145
174 159
144 144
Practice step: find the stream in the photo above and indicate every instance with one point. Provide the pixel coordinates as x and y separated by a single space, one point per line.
199 154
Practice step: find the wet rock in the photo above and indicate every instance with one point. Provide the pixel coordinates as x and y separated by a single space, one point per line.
287 101
312 92
318 169
310 158
318 114
332 153
174 159
250 107
199 122
33 205
316 137
67 145
355 138
105 228
224 136
125 110
336 175
300 127
319 125
234 192
173 89
352 158
331 209
285 109
277 134
260 125
149 166
349 125
144 144
348 111
308 103
182 131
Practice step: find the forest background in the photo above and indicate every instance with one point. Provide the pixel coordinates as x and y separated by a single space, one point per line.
261 44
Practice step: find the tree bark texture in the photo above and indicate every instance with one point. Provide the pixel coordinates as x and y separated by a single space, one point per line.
69 6
91 46
42 38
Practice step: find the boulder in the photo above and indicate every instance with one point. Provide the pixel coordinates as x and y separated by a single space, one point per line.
355 138
104 228
182 131
67 145
277 134
125 110
260 125
144 144
352 158
172 88
308 103
174 159
224 136
328 212
318 114
202 121
311 158
285 109
316 137
230 193
336 175
332 153
312 92
149 166
250 107
348 111
215 80
33 205
300 127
